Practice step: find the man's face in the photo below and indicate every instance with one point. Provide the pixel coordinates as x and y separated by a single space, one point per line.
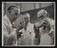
14 13
41 18
26 20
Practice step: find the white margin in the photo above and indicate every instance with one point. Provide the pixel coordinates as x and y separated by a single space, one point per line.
29 2
2 23
33 2
55 23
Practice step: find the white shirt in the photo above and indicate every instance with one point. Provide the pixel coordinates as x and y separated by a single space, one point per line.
6 27
27 38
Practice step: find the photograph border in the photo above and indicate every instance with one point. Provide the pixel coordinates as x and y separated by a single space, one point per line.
54 26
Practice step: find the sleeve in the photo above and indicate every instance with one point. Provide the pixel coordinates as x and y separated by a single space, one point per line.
8 32
5 35
5 30
7 27
51 33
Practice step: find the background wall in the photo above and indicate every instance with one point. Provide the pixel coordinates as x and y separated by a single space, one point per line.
26 6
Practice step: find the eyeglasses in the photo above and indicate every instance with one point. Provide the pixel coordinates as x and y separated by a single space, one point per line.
41 17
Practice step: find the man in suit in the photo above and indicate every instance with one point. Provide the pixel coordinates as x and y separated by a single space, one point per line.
46 27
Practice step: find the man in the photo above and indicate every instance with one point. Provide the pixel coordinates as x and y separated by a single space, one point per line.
19 24
46 27
28 32
9 34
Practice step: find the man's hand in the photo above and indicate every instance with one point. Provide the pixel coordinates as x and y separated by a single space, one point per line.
51 33
19 34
